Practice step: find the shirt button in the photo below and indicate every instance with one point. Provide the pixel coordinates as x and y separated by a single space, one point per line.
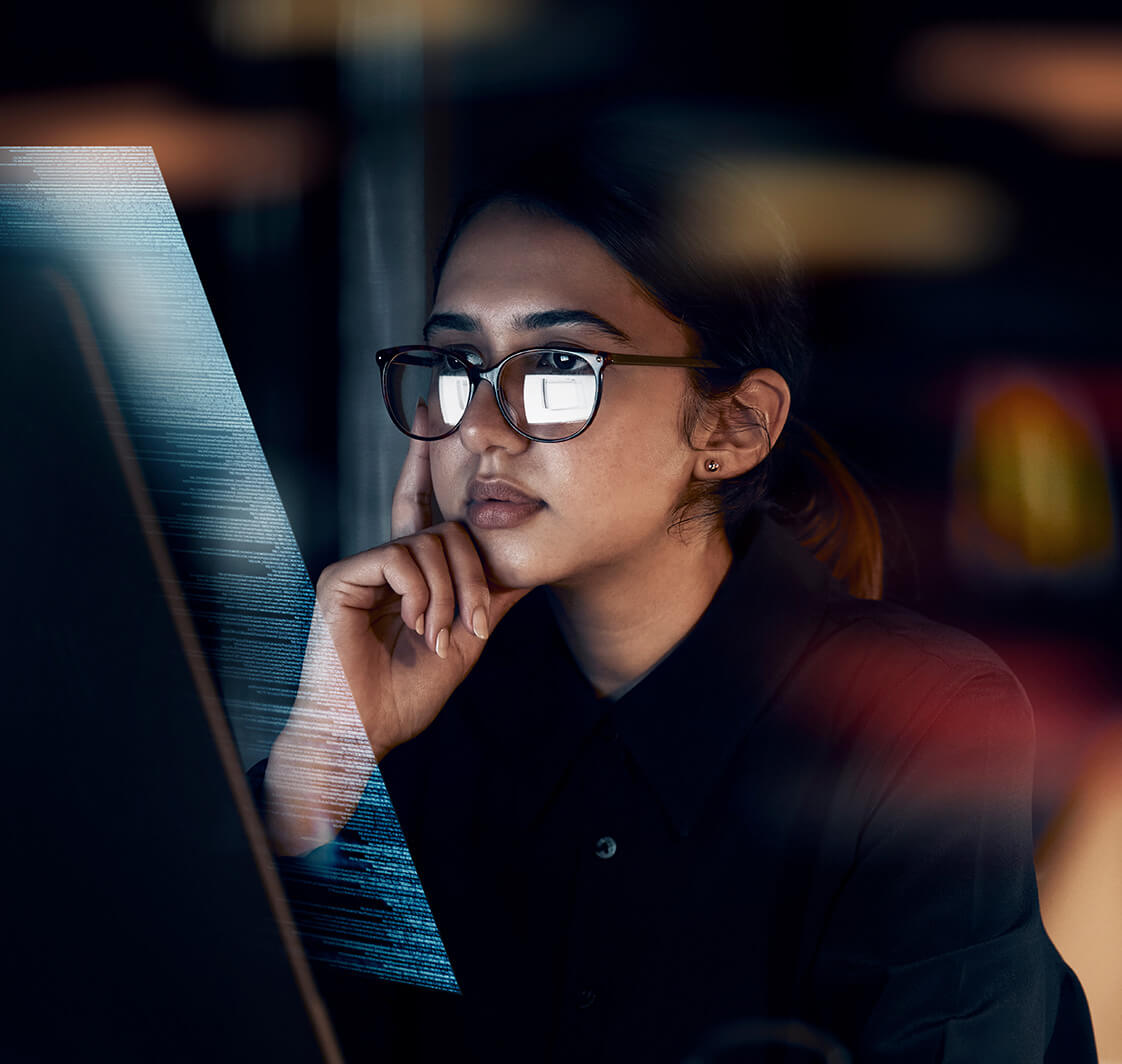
606 847
586 999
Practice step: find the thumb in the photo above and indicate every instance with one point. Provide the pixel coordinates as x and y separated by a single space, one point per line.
411 509
502 600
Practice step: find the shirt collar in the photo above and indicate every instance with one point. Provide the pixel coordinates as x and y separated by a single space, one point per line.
529 702
683 720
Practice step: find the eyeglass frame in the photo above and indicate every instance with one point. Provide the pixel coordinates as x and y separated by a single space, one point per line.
597 359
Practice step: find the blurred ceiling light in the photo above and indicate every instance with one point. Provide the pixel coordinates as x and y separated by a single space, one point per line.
348 25
1031 497
847 214
206 155
1068 80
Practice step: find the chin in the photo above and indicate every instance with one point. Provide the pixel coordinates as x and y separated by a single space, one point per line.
512 564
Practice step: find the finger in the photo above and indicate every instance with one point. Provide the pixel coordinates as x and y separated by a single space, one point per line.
427 550
356 582
411 509
499 603
502 599
407 578
473 597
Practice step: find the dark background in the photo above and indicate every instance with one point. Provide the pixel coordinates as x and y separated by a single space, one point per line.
261 123
314 150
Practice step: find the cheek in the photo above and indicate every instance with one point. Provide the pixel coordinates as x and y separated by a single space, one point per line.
645 446
634 472
442 469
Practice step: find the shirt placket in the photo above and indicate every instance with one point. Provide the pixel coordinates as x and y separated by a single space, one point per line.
601 802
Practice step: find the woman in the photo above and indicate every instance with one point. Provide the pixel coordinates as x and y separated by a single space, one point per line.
688 780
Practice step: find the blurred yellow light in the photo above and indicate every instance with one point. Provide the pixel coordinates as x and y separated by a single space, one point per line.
1031 490
847 214
344 25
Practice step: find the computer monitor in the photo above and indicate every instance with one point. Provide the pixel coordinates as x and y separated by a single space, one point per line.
157 606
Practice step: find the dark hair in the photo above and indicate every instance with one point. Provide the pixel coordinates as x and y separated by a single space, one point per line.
651 203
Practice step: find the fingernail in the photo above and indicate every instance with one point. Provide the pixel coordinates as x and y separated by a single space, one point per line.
479 622
419 627
442 643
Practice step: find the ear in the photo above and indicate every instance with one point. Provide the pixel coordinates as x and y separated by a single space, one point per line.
736 433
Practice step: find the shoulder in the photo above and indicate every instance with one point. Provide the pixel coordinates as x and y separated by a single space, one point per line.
896 686
886 643
881 649
853 661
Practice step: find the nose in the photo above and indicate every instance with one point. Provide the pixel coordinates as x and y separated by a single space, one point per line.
484 428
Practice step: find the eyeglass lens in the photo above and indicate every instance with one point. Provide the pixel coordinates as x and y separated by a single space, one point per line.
548 395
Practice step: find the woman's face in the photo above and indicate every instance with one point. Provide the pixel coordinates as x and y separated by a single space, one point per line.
606 498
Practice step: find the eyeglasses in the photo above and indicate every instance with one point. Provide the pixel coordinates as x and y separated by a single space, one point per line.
547 394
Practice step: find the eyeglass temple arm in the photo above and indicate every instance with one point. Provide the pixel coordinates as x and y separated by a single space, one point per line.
654 360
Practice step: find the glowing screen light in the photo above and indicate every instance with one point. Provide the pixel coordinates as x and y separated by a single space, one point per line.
105 218
452 392
549 398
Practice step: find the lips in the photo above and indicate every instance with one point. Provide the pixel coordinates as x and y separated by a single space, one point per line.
498 491
499 504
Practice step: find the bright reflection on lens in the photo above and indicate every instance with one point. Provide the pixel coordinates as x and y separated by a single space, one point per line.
453 394
420 376
551 398
551 405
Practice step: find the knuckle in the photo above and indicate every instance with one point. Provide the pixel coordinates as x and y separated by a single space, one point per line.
409 571
454 530
427 541
441 599
478 588
426 549
328 578
396 553
458 539
398 560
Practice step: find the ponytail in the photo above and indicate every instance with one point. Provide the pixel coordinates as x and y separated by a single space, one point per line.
825 508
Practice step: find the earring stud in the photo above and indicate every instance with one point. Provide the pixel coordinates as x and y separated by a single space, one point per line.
712 465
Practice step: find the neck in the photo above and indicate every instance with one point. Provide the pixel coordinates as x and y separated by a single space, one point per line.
621 621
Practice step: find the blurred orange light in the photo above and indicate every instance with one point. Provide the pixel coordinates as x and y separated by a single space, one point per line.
342 25
205 154
1067 80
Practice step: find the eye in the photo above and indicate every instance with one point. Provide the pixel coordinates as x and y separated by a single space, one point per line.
467 353
559 361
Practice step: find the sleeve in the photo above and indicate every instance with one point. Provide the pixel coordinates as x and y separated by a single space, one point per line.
374 1017
934 949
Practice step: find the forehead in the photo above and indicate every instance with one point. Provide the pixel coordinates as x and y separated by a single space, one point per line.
508 263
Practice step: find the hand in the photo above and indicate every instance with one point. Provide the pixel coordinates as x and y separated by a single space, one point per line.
397 627
409 619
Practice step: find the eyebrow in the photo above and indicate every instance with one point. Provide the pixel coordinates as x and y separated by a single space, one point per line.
542 319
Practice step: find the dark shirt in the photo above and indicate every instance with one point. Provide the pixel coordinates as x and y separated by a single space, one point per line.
814 807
